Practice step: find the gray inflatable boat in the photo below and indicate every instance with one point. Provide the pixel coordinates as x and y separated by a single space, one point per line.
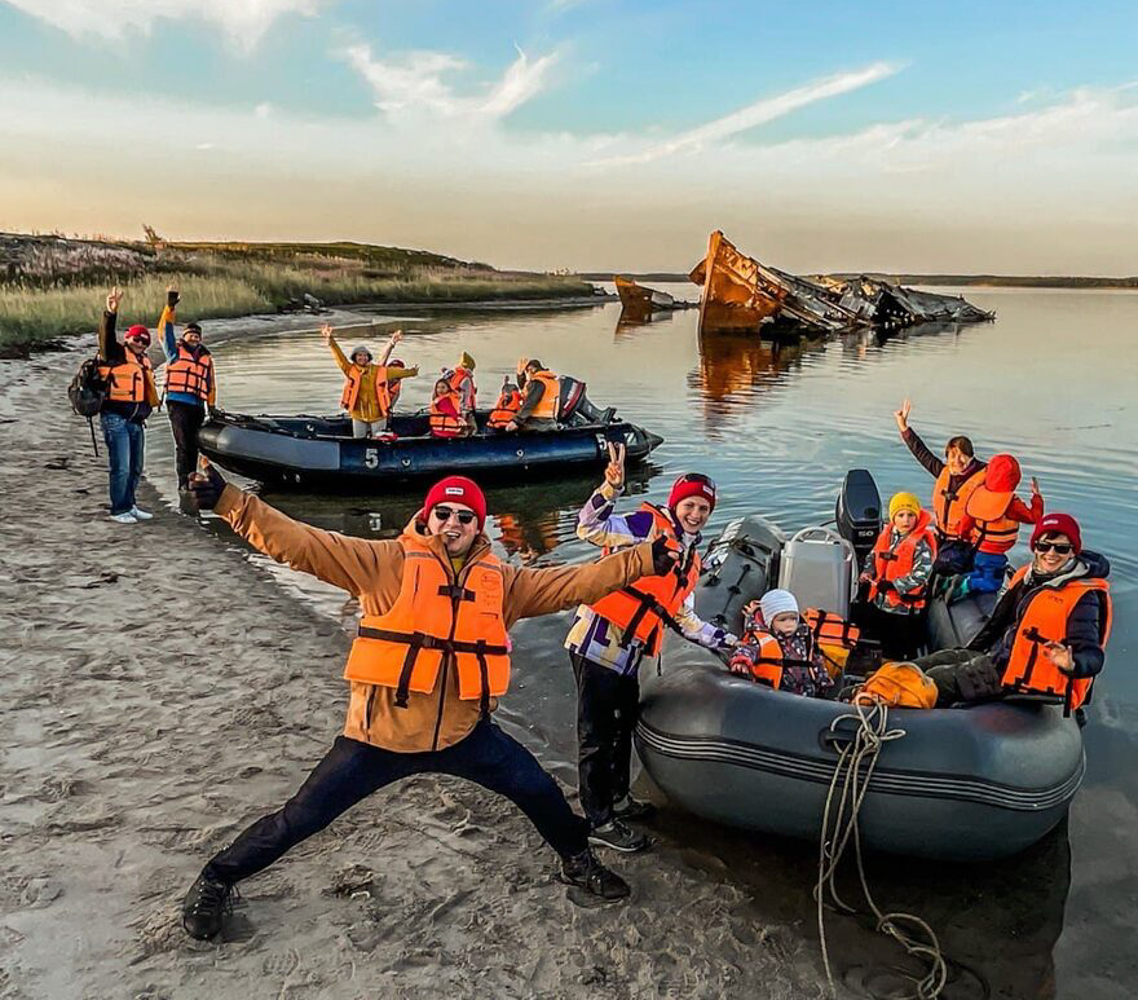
965 784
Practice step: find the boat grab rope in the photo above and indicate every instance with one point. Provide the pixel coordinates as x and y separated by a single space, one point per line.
849 786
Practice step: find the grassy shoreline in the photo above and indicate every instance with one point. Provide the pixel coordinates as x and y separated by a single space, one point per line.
57 288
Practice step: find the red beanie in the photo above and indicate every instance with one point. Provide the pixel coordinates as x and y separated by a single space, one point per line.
138 332
692 484
457 489
1058 524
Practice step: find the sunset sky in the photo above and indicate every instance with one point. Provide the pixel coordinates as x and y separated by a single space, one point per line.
586 133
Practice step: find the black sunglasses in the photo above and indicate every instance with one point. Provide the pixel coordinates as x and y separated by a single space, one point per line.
444 514
1063 548
699 477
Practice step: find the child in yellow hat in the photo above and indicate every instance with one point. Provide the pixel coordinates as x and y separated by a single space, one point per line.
897 575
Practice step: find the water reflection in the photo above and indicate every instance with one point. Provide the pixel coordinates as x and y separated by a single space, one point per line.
632 319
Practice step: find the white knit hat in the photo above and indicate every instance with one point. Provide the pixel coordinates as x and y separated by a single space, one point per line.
776 602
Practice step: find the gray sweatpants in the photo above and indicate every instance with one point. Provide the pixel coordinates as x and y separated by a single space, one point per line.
368 428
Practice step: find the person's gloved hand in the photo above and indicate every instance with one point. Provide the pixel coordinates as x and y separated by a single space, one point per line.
665 555
172 297
885 587
206 486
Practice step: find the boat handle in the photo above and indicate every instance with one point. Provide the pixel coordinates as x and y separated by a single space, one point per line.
836 740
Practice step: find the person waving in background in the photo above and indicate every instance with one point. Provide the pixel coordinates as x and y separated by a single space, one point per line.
425 672
130 399
370 390
610 637
191 386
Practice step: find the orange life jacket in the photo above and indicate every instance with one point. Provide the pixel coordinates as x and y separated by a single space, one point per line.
550 403
509 402
1044 620
892 564
462 382
446 424
831 629
948 504
642 608
385 392
437 622
130 380
768 666
995 537
189 373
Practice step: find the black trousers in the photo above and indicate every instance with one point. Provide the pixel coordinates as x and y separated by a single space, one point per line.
607 707
352 770
185 421
901 635
962 675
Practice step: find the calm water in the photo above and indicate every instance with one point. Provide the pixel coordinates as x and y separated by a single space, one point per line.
1051 381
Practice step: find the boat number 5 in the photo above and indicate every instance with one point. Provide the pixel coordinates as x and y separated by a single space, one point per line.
371 458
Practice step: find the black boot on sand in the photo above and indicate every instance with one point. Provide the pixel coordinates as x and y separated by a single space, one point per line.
205 907
629 808
586 871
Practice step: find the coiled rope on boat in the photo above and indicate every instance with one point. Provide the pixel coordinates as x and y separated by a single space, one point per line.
849 785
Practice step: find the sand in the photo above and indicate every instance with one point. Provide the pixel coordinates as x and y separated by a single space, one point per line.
160 691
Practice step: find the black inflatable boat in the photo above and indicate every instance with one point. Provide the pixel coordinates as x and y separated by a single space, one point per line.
319 453
966 784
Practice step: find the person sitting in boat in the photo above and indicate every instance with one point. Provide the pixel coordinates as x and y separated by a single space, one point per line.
370 390
506 409
541 400
991 520
446 417
897 577
957 476
461 379
779 648
609 638
1047 633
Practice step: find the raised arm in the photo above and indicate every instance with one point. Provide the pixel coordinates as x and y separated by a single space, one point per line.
931 462
166 324
352 564
330 340
534 390
533 592
386 354
109 347
597 521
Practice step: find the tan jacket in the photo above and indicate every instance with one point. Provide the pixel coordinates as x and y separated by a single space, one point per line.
373 571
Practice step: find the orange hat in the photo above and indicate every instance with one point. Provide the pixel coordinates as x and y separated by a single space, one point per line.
991 500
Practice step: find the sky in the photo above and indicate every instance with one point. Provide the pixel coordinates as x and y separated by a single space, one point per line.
586 134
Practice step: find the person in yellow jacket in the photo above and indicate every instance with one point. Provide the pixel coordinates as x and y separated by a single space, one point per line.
425 672
370 390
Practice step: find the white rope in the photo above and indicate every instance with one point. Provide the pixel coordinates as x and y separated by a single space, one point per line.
852 773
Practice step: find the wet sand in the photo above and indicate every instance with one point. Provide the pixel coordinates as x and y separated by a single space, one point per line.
160 691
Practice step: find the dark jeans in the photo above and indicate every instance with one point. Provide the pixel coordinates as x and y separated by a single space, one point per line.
352 770
185 421
901 635
962 675
607 707
126 449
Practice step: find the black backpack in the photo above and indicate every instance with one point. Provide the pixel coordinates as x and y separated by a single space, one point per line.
88 389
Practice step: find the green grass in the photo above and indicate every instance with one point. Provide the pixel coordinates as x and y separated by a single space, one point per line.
238 282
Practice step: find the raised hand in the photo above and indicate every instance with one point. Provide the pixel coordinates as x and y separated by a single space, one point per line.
614 471
326 333
1035 487
114 297
397 336
172 295
902 415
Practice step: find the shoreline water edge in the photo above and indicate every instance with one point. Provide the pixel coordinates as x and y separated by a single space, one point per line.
162 691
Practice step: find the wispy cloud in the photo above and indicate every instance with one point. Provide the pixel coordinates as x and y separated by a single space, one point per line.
412 84
243 21
760 112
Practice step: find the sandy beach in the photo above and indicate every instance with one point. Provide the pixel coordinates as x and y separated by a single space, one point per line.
161 691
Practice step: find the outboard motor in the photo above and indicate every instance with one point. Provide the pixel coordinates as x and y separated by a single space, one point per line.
858 512
576 409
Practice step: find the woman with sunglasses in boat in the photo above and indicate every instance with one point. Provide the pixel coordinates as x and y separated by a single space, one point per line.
610 637
1047 633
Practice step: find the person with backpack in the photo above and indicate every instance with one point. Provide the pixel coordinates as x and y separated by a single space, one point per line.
425 672
131 396
191 386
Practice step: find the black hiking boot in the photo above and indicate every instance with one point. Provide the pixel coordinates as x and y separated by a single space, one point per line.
629 808
206 905
586 871
619 837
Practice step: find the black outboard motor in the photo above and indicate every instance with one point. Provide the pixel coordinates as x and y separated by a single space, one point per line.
576 409
858 512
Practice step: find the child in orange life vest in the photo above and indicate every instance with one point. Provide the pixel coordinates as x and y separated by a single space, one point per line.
897 576
797 664
446 412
